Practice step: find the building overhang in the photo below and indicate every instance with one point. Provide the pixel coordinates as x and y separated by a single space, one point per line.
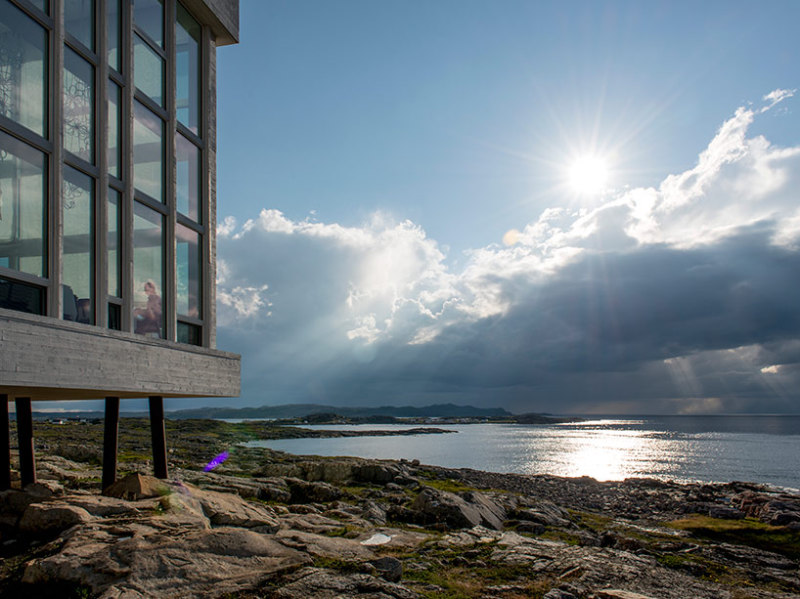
48 359
222 16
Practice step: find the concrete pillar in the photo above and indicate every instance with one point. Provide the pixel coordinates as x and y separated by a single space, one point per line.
27 462
158 436
5 445
110 442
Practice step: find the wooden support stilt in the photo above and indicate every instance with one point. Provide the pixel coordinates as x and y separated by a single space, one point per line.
5 445
158 436
110 442
27 462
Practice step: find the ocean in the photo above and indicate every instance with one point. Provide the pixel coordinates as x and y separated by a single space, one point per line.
754 448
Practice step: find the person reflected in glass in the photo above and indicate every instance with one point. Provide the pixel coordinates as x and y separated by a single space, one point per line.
148 319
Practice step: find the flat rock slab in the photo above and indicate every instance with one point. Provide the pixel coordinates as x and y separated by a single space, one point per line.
324 584
322 546
199 563
619 594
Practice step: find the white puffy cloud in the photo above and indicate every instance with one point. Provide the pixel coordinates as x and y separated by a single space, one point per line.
676 298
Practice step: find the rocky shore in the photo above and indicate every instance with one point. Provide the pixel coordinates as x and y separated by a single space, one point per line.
271 525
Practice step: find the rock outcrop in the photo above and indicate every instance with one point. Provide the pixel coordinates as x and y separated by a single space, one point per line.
389 530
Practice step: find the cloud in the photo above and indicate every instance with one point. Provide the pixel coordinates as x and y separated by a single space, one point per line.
680 298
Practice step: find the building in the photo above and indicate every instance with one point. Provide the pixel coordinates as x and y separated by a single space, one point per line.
108 208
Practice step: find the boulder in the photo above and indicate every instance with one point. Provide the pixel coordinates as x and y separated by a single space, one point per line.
137 486
52 517
373 472
311 492
725 512
545 513
388 568
453 511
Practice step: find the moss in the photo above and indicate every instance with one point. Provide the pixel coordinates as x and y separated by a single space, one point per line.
592 521
339 565
752 533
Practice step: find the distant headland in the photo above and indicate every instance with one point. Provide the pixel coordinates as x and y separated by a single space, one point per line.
308 413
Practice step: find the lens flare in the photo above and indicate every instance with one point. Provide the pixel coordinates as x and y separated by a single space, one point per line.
216 461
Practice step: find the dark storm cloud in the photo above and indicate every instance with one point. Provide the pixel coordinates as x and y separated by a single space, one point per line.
683 298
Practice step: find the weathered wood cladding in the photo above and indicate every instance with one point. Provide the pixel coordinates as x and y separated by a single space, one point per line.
47 359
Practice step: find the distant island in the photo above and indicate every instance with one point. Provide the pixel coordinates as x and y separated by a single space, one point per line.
307 413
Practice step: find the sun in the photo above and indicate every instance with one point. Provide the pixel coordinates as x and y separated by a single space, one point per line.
588 175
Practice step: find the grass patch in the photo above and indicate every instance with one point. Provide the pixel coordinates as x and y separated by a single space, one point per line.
752 533
338 565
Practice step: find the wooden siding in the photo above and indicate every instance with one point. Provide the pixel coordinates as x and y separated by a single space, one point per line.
48 359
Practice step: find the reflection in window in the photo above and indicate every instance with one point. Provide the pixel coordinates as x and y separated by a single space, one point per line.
188 267
114 101
112 29
23 207
78 106
79 20
187 70
149 17
188 177
148 152
148 70
21 296
23 69
148 271
77 262
112 243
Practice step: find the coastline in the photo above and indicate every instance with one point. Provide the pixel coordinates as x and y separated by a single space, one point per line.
305 526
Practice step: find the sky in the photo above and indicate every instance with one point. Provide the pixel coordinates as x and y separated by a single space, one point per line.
569 207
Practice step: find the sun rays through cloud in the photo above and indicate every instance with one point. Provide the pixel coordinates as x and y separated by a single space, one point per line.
639 295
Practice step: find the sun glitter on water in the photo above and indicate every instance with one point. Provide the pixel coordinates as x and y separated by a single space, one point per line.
588 175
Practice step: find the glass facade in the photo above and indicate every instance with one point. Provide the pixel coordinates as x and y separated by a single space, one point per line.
79 21
188 271
23 69
148 271
127 188
187 67
148 69
77 263
188 178
148 152
78 106
23 207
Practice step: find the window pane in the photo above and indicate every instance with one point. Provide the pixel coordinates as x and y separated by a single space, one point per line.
188 268
79 20
148 271
21 296
188 178
189 333
23 69
42 5
114 317
148 70
78 106
148 152
112 243
77 263
187 70
114 101
112 26
149 17
23 207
